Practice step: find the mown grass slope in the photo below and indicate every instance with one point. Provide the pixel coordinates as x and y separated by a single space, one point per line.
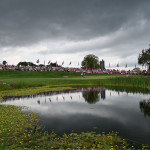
25 79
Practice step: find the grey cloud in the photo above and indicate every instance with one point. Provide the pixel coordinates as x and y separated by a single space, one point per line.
26 22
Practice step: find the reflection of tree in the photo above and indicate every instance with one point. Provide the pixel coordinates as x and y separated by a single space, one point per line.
91 96
145 107
103 94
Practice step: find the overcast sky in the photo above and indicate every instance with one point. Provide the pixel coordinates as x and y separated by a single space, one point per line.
68 30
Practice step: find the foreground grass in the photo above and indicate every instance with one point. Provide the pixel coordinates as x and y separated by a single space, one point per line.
16 128
19 130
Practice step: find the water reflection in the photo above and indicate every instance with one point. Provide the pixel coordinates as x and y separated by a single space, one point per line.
145 107
84 109
92 95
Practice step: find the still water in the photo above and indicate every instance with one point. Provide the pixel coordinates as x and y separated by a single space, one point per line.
92 109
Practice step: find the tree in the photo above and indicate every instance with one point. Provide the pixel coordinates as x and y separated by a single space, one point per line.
26 64
4 62
90 61
41 65
22 64
54 64
144 57
31 64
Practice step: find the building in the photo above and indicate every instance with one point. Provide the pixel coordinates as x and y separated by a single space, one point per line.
102 65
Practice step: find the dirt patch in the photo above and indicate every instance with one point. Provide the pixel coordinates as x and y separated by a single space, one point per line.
65 76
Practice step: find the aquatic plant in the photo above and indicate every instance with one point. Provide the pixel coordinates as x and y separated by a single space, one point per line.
15 126
21 131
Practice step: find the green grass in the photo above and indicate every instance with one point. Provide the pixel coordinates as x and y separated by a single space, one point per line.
27 79
38 74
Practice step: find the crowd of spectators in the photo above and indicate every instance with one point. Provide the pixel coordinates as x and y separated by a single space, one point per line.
77 70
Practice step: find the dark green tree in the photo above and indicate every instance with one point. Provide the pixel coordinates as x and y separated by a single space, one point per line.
31 64
54 64
41 65
24 63
144 57
4 62
90 61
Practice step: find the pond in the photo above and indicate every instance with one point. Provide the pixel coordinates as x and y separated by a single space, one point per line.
92 109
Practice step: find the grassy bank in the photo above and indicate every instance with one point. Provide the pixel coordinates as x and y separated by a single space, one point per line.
19 83
19 80
19 130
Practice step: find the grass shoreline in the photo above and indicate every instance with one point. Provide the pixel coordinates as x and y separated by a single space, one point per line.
30 83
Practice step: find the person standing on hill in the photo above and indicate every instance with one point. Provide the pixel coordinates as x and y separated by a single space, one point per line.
82 74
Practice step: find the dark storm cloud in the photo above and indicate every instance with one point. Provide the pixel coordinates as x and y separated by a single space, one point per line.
26 22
